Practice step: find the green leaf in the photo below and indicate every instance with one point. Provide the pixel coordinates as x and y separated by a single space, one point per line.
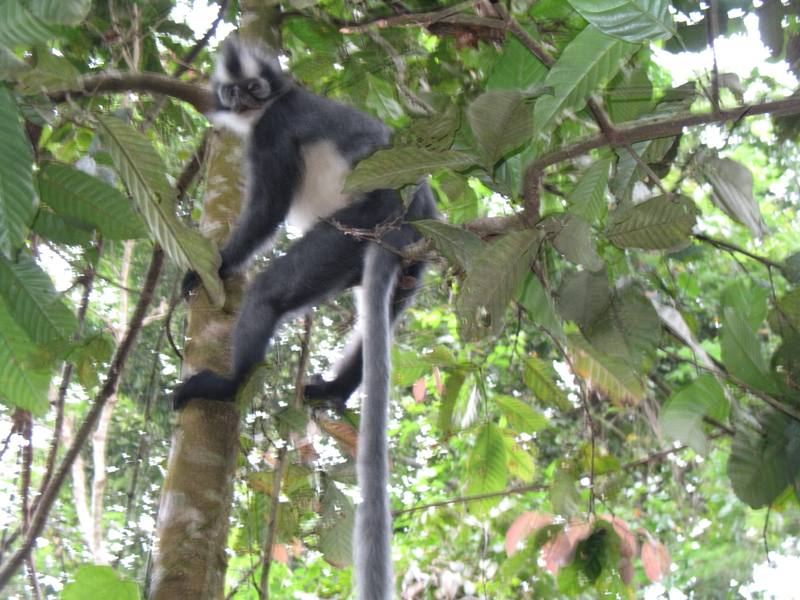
742 353
100 583
682 415
588 198
583 296
33 302
62 230
502 120
588 62
521 461
396 167
610 375
758 467
541 378
517 68
564 496
336 541
144 174
11 65
539 305
630 95
77 195
521 417
574 241
487 470
732 185
452 388
20 384
51 72
628 328
789 307
17 202
660 223
62 12
458 245
493 280
630 20
629 171
791 268
749 300
18 27
434 133
89 357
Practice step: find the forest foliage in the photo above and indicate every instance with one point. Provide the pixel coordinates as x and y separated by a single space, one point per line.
598 388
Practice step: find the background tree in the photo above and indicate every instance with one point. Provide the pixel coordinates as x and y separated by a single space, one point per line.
597 390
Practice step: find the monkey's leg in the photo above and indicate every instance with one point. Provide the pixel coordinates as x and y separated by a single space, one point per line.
315 267
349 370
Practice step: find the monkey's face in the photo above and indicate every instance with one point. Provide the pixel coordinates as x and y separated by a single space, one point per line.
247 94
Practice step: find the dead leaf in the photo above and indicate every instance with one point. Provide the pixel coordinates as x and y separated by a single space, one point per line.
656 559
523 526
344 433
420 389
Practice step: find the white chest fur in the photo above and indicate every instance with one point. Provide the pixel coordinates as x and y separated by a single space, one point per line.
320 192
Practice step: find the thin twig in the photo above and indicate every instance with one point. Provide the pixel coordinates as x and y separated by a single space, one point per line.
26 420
722 244
186 61
764 532
87 280
109 387
646 168
713 32
282 463
763 396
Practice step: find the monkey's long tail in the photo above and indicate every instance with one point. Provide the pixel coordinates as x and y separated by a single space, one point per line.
373 532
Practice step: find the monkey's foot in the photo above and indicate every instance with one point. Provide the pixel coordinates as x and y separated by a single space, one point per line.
325 393
205 384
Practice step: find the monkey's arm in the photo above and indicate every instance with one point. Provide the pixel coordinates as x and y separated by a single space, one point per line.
274 175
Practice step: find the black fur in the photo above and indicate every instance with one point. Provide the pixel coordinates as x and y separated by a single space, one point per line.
326 260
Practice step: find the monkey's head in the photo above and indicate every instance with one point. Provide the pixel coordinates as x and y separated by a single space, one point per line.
245 77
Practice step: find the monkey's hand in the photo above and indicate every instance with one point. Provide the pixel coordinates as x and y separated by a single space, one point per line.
190 283
321 393
205 384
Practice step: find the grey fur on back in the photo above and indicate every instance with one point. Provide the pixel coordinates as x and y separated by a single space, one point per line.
373 532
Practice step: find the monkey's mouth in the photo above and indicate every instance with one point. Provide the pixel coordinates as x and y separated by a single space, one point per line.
241 108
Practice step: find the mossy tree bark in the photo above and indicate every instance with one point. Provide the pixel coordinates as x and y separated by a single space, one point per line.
190 559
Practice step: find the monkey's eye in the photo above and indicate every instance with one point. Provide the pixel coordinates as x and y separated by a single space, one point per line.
253 86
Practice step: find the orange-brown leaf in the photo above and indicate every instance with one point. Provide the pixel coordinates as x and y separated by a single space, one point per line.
344 433
656 559
523 526
420 389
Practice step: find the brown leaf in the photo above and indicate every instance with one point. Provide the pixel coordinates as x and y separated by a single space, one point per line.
561 550
420 389
280 553
344 433
523 526
656 559
308 454
628 545
626 570
437 377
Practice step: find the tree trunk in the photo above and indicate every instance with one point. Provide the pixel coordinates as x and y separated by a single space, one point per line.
190 557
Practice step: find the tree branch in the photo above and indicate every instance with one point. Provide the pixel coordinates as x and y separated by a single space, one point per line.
661 128
197 95
49 496
445 15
